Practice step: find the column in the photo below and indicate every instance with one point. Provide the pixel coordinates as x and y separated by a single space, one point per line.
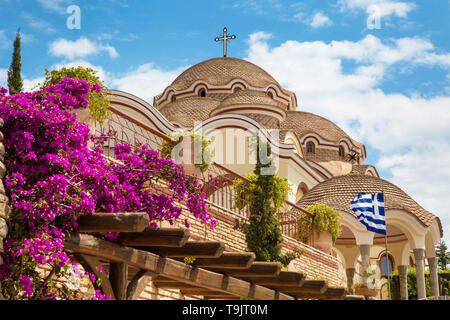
364 249
419 256
350 272
402 274
434 283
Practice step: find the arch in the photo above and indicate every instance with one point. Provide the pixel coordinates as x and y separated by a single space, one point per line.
432 237
237 86
410 225
390 258
362 236
302 188
202 92
291 138
146 113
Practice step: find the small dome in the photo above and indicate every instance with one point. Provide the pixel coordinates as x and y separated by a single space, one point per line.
304 122
221 71
338 192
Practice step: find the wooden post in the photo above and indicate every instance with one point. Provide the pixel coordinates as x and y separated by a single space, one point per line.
118 274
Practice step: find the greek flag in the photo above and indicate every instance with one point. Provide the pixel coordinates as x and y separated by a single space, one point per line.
369 209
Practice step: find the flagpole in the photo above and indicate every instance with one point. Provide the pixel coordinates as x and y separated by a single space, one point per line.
387 265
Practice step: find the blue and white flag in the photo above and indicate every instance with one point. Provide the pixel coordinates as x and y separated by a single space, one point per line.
369 209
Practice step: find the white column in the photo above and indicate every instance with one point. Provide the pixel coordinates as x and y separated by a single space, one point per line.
402 275
432 263
350 272
365 258
419 256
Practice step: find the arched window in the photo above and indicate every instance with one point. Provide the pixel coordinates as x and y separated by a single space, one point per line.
237 89
386 265
202 93
173 98
310 147
270 94
341 152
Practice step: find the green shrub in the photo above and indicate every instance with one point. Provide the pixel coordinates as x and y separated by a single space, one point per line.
325 219
98 101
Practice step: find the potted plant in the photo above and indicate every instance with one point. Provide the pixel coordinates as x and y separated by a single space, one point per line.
321 229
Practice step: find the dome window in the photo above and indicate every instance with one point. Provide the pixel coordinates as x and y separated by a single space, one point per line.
341 152
237 89
270 94
310 147
202 93
173 98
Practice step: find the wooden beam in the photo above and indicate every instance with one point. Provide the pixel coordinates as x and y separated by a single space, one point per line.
234 260
169 268
138 284
193 249
354 297
221 297
118 276
284 279
202 292
163 237
172 284
308 287
329 294
113 222
257 269
90 264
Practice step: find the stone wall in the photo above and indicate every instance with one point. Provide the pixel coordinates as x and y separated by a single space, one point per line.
4 210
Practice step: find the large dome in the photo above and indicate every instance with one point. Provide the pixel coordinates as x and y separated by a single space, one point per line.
221 71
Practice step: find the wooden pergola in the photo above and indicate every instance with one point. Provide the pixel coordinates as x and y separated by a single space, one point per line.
141 255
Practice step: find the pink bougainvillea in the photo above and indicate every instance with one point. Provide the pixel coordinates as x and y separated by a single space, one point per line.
53 177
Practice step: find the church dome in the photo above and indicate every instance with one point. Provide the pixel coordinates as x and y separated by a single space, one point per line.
338 192
303 123
221 71
185 112
255 104
249 97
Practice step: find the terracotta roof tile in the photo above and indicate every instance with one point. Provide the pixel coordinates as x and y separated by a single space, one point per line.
250 97
304 122
189 110
220 71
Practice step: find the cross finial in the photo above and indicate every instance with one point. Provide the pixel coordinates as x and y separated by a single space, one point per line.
224 39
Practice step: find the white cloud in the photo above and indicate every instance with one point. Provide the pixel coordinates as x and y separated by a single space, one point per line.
37 23
320 20
101 72
383 7
59 6
3 77
146 81
411 133
80 48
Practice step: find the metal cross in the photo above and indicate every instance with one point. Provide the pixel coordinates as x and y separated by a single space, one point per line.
224 39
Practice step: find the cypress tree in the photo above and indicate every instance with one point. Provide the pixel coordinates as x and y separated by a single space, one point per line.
15 83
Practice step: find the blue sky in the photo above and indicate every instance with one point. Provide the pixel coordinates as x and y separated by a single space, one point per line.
388 87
